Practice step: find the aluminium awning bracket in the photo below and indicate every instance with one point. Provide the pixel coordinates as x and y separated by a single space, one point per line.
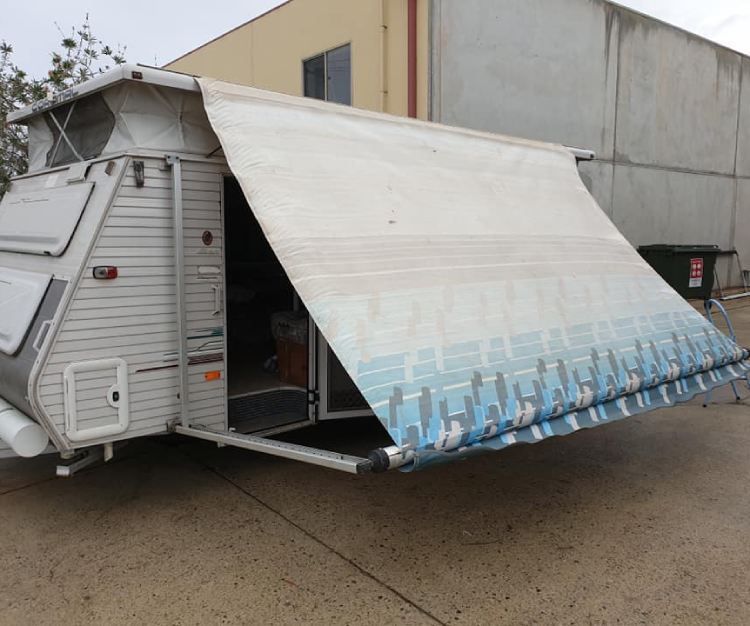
173 161
295 452
581 154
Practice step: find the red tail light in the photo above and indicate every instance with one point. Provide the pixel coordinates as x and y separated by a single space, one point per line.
105 272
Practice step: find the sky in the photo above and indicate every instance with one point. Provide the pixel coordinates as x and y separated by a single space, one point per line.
157 32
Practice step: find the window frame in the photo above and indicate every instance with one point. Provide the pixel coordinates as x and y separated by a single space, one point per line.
325 74
61 122
325 54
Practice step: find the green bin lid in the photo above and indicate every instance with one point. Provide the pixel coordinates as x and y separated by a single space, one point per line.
663 247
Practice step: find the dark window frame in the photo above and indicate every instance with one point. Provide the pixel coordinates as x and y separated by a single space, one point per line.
326 74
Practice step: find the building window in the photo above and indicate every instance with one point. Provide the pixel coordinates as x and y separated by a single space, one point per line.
315 77
328 76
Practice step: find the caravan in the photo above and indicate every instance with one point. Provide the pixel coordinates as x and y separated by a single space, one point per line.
190 256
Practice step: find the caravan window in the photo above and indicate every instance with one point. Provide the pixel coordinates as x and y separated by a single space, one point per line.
41 221
80 130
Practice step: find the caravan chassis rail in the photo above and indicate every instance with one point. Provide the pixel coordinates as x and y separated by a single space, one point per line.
295 452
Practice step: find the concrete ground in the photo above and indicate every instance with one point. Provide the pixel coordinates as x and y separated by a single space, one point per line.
643 521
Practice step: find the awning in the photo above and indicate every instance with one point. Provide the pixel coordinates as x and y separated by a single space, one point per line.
469 283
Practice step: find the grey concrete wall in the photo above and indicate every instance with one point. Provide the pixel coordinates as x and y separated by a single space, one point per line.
667 112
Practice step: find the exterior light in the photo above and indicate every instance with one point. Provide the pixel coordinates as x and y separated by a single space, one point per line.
105 272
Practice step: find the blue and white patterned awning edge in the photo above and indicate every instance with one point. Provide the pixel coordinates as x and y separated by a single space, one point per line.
664 395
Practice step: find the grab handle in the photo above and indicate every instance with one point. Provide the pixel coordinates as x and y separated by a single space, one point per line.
41 335
217 299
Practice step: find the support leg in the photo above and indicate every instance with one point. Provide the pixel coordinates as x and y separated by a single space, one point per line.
733 336
736 392
80 461
86 458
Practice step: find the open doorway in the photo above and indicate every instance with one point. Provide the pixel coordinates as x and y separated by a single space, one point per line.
266 326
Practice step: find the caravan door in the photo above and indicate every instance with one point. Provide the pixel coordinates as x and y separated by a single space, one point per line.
336 393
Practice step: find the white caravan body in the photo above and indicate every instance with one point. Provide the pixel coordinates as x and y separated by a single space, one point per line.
87 360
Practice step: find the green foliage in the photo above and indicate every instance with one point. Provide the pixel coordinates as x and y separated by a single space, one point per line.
16 90
81 56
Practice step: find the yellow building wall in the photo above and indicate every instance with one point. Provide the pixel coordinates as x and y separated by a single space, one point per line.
268 52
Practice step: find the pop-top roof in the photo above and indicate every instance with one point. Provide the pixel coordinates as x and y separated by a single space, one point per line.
126 72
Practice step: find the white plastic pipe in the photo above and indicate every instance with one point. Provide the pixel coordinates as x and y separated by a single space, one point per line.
24 436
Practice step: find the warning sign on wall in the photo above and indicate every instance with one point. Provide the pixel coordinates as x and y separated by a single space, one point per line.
696 273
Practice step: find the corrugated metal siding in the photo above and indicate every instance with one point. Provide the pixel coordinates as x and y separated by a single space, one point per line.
135 316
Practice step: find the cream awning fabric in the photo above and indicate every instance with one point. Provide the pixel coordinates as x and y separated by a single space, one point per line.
469 283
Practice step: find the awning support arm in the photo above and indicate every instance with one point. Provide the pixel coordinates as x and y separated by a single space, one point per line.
709 304
295 452
179 256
